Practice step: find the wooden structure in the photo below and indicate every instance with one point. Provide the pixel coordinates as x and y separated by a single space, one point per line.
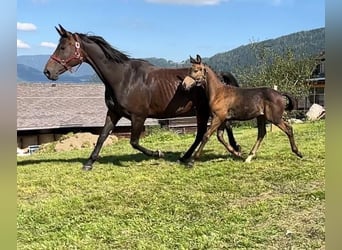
47 111
317 85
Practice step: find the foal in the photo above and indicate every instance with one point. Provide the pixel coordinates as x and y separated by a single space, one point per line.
232 103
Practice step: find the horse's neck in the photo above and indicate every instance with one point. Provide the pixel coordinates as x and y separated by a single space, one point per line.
213 83
101 65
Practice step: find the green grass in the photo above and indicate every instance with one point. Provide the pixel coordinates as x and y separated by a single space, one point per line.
130 201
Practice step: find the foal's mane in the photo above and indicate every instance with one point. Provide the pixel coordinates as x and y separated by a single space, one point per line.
110 52
225 77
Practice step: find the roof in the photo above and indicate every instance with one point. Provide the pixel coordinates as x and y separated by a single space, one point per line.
48 106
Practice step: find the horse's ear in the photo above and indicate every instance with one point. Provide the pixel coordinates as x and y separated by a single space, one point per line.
61 31
198 59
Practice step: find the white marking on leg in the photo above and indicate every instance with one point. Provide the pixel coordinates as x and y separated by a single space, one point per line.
249 159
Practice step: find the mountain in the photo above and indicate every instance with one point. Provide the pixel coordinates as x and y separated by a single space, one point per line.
303 43
29 74
30 69
38 62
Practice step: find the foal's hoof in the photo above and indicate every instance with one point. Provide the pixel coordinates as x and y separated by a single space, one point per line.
87 167
160 154
249 159
300 154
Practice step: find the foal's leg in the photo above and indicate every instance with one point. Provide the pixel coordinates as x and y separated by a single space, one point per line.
111 120
287 128
231 138
215 123
137 128
261 134
220 131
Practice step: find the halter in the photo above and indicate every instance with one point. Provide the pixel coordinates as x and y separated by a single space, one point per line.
77 55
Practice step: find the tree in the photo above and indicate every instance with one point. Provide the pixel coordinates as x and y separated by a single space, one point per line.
287 71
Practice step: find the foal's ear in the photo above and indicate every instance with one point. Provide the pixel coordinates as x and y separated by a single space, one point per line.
198 59
192 60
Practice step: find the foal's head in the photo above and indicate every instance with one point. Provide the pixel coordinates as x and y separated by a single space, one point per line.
197 74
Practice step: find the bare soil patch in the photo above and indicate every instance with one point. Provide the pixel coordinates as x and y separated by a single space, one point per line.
80 140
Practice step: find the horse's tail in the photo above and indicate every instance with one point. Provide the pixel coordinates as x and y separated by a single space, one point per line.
292 102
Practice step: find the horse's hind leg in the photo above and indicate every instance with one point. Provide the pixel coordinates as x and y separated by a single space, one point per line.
261 122
111 120
231 138
287 128
220 131
137 128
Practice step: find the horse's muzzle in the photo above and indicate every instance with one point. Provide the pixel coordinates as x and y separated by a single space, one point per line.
50 76
188 82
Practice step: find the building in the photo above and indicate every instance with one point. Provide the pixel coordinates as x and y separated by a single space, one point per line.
47 111
317 85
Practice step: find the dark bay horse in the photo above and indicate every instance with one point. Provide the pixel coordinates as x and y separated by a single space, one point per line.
134 89
231 103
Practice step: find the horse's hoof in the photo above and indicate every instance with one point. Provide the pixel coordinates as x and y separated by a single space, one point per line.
186 162
237 148
190 163
87 167
182 160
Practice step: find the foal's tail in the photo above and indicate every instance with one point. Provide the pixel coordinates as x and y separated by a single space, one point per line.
292 102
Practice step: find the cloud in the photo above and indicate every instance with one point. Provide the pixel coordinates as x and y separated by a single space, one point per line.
48 44
22 45
187 2
26 26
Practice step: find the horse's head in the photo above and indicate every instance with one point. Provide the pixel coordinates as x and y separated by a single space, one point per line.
197 74
67 54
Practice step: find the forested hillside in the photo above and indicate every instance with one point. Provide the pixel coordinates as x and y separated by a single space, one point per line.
303 44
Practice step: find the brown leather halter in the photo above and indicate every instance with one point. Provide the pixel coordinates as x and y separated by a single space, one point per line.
77 55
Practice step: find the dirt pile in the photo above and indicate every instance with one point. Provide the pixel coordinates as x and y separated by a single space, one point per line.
80 140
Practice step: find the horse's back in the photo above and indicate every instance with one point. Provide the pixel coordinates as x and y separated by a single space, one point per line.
168 75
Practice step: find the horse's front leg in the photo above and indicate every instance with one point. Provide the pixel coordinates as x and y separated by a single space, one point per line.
137 128
215 123
111 120
202 124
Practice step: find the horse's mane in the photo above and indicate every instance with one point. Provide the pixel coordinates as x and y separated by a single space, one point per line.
110 52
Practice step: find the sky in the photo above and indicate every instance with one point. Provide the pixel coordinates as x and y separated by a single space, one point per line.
170 29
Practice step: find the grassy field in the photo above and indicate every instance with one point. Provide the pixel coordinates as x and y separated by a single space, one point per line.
130 201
